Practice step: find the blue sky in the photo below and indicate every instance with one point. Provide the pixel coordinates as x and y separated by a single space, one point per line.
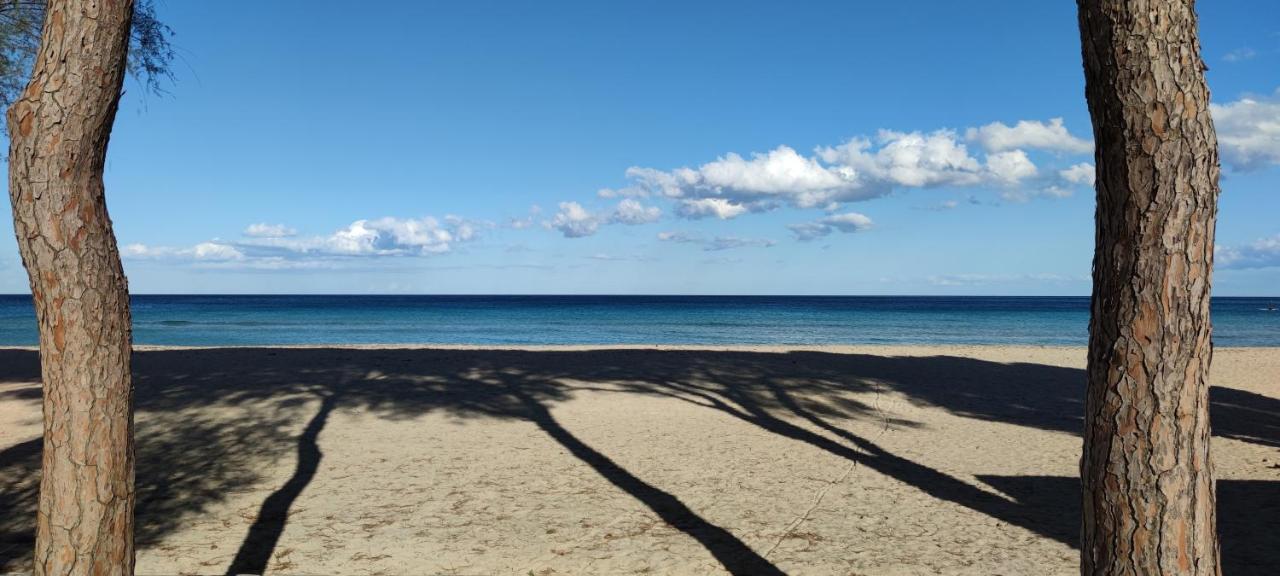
648 147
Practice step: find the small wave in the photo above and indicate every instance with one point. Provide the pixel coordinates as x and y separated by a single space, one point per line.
175 323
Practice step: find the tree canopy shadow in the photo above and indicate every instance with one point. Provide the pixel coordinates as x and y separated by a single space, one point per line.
189 460
1247 511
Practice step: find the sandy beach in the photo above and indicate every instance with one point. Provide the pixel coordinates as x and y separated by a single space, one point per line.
645 460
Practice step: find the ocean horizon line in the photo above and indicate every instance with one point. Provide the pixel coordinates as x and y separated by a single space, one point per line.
604 319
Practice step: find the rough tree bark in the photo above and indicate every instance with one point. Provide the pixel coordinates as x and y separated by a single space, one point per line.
1146 472
58 130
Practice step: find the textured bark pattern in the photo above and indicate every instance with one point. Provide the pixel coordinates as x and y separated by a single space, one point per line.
1148 481
58 142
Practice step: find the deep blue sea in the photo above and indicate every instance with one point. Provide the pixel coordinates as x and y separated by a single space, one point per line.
265 320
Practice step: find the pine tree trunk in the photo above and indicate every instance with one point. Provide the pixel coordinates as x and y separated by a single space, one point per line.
1146 472
58 131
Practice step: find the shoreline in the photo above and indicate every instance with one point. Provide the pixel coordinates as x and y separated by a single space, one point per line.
846 348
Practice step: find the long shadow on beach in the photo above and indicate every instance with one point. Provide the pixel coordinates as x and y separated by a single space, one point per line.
255 553
189 460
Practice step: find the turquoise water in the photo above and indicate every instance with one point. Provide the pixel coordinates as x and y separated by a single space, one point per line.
266 320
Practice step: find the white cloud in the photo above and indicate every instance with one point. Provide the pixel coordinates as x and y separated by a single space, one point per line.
911 159
781 170
264 230
465 229
704 207
214 251
649 180
632 212
904 159
848 223
1262 253
1249 132
717 243
728 186
574 221
1064 184
1082 173
378 237
142 251
387 236
1011 167
1053 136
859 169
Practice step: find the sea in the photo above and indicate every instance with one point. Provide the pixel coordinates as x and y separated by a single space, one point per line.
546 320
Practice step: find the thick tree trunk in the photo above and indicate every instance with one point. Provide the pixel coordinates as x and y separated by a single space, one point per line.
58 133
1146 472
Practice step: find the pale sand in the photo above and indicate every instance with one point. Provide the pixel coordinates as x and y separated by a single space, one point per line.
831 460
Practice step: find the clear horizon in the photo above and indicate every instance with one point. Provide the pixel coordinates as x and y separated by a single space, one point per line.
716 149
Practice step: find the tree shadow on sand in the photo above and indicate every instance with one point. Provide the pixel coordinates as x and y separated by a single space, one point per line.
189 460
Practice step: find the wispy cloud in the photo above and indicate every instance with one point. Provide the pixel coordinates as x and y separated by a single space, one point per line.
263 230
722 260
1240 54
848 223
989 279
716 243
942 206
1261 253
204 251
1021 195
520 223
278 246
606 257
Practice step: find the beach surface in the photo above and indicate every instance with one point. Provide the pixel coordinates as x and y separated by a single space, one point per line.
639 460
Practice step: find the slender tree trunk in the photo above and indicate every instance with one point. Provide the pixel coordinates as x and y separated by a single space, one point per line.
58 132
1146 472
